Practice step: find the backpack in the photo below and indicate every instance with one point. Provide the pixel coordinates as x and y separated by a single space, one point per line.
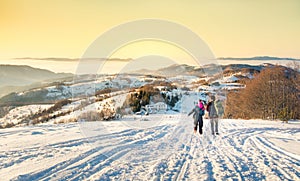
201 112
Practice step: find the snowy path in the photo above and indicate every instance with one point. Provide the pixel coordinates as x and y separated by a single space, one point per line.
151 150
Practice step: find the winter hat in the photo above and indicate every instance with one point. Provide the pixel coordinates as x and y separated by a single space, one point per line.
213 98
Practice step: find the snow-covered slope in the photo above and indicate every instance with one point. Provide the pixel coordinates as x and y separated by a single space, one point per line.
162 148
16 115
82 87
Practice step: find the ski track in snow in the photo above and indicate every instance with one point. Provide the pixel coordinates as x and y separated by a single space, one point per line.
168 151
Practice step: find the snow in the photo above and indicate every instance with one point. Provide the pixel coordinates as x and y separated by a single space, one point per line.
230 79
89 86
155 147
138 147
17 114
113 102
185 78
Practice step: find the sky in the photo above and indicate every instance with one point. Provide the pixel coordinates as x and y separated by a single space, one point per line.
66 28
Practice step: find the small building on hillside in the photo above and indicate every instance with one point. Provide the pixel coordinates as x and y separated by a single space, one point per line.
157 107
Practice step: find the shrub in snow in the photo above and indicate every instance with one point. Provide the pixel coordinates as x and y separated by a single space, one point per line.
70 120
90 116
7 125
120 112
105 114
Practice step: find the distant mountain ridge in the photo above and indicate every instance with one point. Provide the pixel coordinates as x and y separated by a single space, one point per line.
258 58
183 69
21 75
58 89
15 78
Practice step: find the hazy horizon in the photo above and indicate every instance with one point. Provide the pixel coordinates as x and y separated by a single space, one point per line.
59 65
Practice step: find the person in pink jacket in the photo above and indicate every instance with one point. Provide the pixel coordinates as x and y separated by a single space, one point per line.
201 104
198 111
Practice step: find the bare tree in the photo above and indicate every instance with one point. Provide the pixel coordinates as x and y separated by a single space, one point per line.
272 94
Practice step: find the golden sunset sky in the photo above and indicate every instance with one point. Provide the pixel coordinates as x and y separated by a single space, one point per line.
231 28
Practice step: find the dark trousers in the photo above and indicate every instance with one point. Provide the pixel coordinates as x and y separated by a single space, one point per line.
199 123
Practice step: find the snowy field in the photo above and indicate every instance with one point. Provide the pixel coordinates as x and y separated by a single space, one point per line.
157 147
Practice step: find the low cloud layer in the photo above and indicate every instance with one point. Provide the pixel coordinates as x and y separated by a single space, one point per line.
258 58
74 59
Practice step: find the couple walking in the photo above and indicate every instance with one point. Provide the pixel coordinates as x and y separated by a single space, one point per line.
199 111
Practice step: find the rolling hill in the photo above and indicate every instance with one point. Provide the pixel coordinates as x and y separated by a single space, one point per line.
22 77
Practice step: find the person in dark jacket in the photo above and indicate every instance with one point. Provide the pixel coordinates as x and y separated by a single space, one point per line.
198 111
213 116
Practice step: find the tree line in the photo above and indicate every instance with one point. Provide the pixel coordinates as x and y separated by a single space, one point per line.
274 93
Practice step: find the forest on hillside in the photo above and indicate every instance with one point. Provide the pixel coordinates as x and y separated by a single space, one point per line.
273 94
